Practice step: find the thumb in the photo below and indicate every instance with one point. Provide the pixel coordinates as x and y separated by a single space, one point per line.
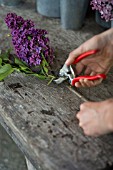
74 54
86 46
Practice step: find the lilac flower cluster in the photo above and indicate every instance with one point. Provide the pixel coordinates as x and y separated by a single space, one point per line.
31 44
105 7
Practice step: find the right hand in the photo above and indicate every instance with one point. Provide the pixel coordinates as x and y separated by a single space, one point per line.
99 63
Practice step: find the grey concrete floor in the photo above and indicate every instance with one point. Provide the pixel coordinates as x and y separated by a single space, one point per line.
11 157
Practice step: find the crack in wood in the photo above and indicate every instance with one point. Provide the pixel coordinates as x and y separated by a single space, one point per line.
68 135
48 112
15 86
29 112
16 91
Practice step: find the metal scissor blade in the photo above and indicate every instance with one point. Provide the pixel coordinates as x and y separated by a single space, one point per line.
62 75
66 72
60 80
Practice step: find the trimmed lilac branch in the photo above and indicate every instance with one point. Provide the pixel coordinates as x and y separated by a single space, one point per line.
30 44
105 7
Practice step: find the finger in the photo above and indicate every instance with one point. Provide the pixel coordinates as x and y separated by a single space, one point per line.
82 82
78 115
97 82
86 105
83 117
88 83
93 73
88 71
83 106
91 130
83 123
88 131
78 84
93 83
74 54
93 106
79 68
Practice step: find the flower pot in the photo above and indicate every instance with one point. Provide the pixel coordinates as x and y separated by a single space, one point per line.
101 21
10 2
73 13
112 24
49 8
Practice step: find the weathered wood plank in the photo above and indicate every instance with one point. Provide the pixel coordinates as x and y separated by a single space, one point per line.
41 120
29 165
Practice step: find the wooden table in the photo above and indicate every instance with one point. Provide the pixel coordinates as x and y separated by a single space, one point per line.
41 120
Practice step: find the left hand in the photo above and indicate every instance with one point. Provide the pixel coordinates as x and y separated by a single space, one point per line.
96 118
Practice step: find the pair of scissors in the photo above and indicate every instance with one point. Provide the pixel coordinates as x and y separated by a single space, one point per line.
67 72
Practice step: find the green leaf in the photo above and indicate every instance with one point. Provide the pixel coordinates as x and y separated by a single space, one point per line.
44 62
25 69
19 62
51 79
45 69
29 38
22 66
39 76
5 70
5 56
0 61
45 65
15 64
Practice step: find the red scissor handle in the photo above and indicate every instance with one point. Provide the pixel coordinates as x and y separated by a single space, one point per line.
103 76
84 55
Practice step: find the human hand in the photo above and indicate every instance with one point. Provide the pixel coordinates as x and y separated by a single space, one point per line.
98 63
96 118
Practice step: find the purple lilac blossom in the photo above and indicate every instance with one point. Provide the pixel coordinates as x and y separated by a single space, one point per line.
105 7
30 44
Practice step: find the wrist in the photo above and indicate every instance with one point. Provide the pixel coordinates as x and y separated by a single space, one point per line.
110 115
110 126
110 35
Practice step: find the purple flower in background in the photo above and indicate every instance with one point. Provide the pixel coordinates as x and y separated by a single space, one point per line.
30 44
105 7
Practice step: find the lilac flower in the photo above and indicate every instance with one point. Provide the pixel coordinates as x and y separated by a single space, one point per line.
30 44
105 7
